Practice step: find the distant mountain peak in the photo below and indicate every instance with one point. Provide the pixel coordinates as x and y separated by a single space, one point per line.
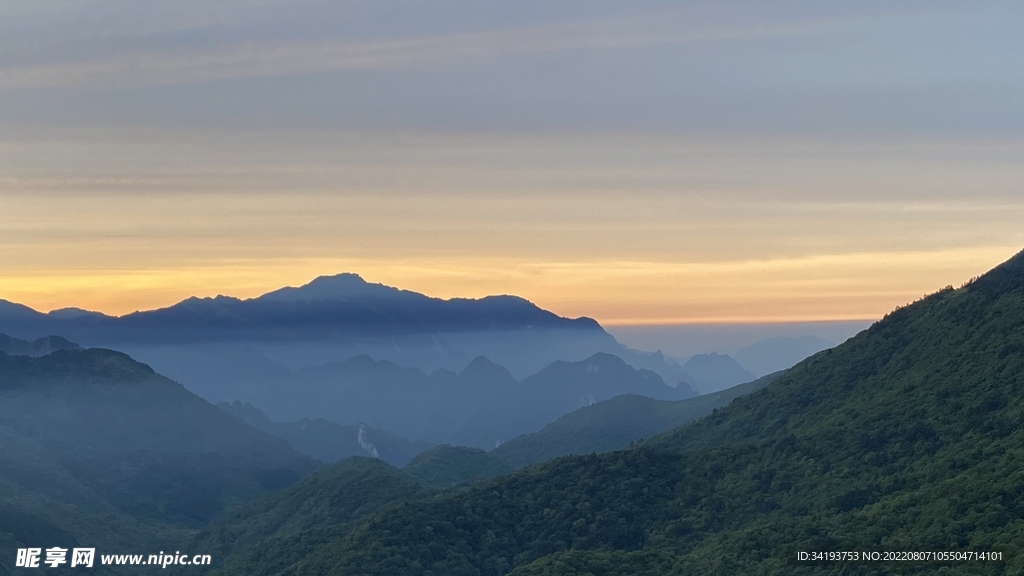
506 298
60 365
14 311
35 348
329 308
69 313
604 360
481 366
481 362
202 303
217 298
336 287
708 358
712 372
598 363
364 361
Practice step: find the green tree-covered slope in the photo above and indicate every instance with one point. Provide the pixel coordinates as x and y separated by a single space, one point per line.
444 466
98 450
909 436
616 423
283 527
132 437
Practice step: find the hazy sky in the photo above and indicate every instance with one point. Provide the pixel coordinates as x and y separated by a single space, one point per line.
638 162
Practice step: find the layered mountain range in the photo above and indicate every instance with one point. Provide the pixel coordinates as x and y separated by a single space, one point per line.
217 345
329 441
481 406
329 307
906 437
97 450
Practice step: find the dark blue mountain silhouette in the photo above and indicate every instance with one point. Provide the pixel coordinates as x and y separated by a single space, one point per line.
327 308
479 406
223 348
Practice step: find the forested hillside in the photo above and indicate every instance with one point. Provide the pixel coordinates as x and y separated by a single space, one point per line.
907 437
96 449
444 466
615 424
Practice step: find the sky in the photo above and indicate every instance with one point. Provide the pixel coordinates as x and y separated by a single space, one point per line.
642 163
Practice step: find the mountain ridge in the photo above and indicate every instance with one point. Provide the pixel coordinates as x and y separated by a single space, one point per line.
906 437
616 423
327 307
330 319
329 441
35 348
480 406
97 449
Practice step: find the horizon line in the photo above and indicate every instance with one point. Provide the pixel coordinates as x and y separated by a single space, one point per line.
613 323
750 320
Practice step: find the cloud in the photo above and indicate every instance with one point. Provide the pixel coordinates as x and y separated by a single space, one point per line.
286 58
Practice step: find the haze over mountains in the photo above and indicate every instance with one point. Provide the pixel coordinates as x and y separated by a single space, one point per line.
224 348
761 348
98 450
779 352
95 422
95 441
481 406
329 307
35 348
714 372
340 353
212 344
906 437
329 441
907 434
616 423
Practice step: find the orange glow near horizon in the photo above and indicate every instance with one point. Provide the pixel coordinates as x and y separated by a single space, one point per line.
821 288
656 164
624 228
